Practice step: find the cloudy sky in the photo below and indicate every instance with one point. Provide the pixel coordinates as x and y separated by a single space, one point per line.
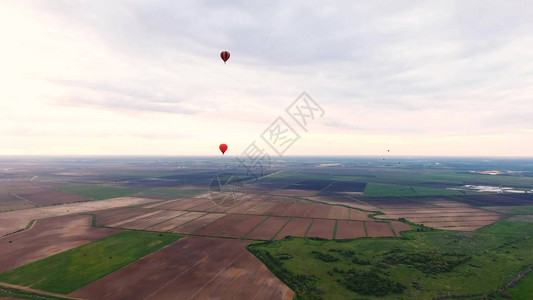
145 77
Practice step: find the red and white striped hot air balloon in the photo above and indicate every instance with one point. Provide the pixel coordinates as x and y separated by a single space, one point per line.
224 55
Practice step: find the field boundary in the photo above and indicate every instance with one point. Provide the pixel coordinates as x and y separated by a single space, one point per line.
38 292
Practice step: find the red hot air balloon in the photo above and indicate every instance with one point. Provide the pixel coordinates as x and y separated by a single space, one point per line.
224 55
223 148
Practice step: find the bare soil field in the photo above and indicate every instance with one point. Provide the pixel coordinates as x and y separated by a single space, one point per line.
183 204
227 271
349 229
243 227
261 208
47 196
268 229
152 205
204 206
243 206
279 209
143 213
442 214
298 209
8 202
17 220
378 229
48 237
175 222
196 224
322 229
110 216
318 211
359 215
339 213
347 201
153 220
221 224
399 227
295 227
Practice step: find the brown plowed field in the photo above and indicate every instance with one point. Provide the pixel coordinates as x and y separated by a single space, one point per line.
220 225
153 205
10 202
262 197
202 221
135 222
346 201
279 209
349 230
242 228
359 215
175 222
204 206
399 227
444 214
378 229
243 206
297 209
183 204
339 213
48 196
295 227
106 217
17 220
143 214
154 220
322 229
194 268
261 208
201 204
318 211
268 229
48 237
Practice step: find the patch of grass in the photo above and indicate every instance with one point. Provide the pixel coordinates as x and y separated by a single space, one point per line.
98 192
429 264
70 270
523 289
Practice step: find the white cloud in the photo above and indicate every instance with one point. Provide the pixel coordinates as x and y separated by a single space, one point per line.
135 77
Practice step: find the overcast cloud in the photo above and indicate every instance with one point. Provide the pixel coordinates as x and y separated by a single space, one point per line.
145 77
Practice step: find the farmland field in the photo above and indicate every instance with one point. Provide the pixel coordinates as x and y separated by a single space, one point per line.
72 269
361 228
226 267
501 250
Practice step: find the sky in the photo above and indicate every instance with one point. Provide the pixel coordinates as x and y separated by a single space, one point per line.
431 78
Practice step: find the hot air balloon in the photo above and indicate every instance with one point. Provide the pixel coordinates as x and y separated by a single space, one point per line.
224 55
223 148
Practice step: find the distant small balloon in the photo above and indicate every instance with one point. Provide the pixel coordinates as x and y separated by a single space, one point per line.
224 55
223 148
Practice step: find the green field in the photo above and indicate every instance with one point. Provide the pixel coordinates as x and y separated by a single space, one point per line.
425 264
70 270
97 192
523 289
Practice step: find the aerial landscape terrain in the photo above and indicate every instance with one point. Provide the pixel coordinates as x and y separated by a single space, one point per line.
309 228
266 150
